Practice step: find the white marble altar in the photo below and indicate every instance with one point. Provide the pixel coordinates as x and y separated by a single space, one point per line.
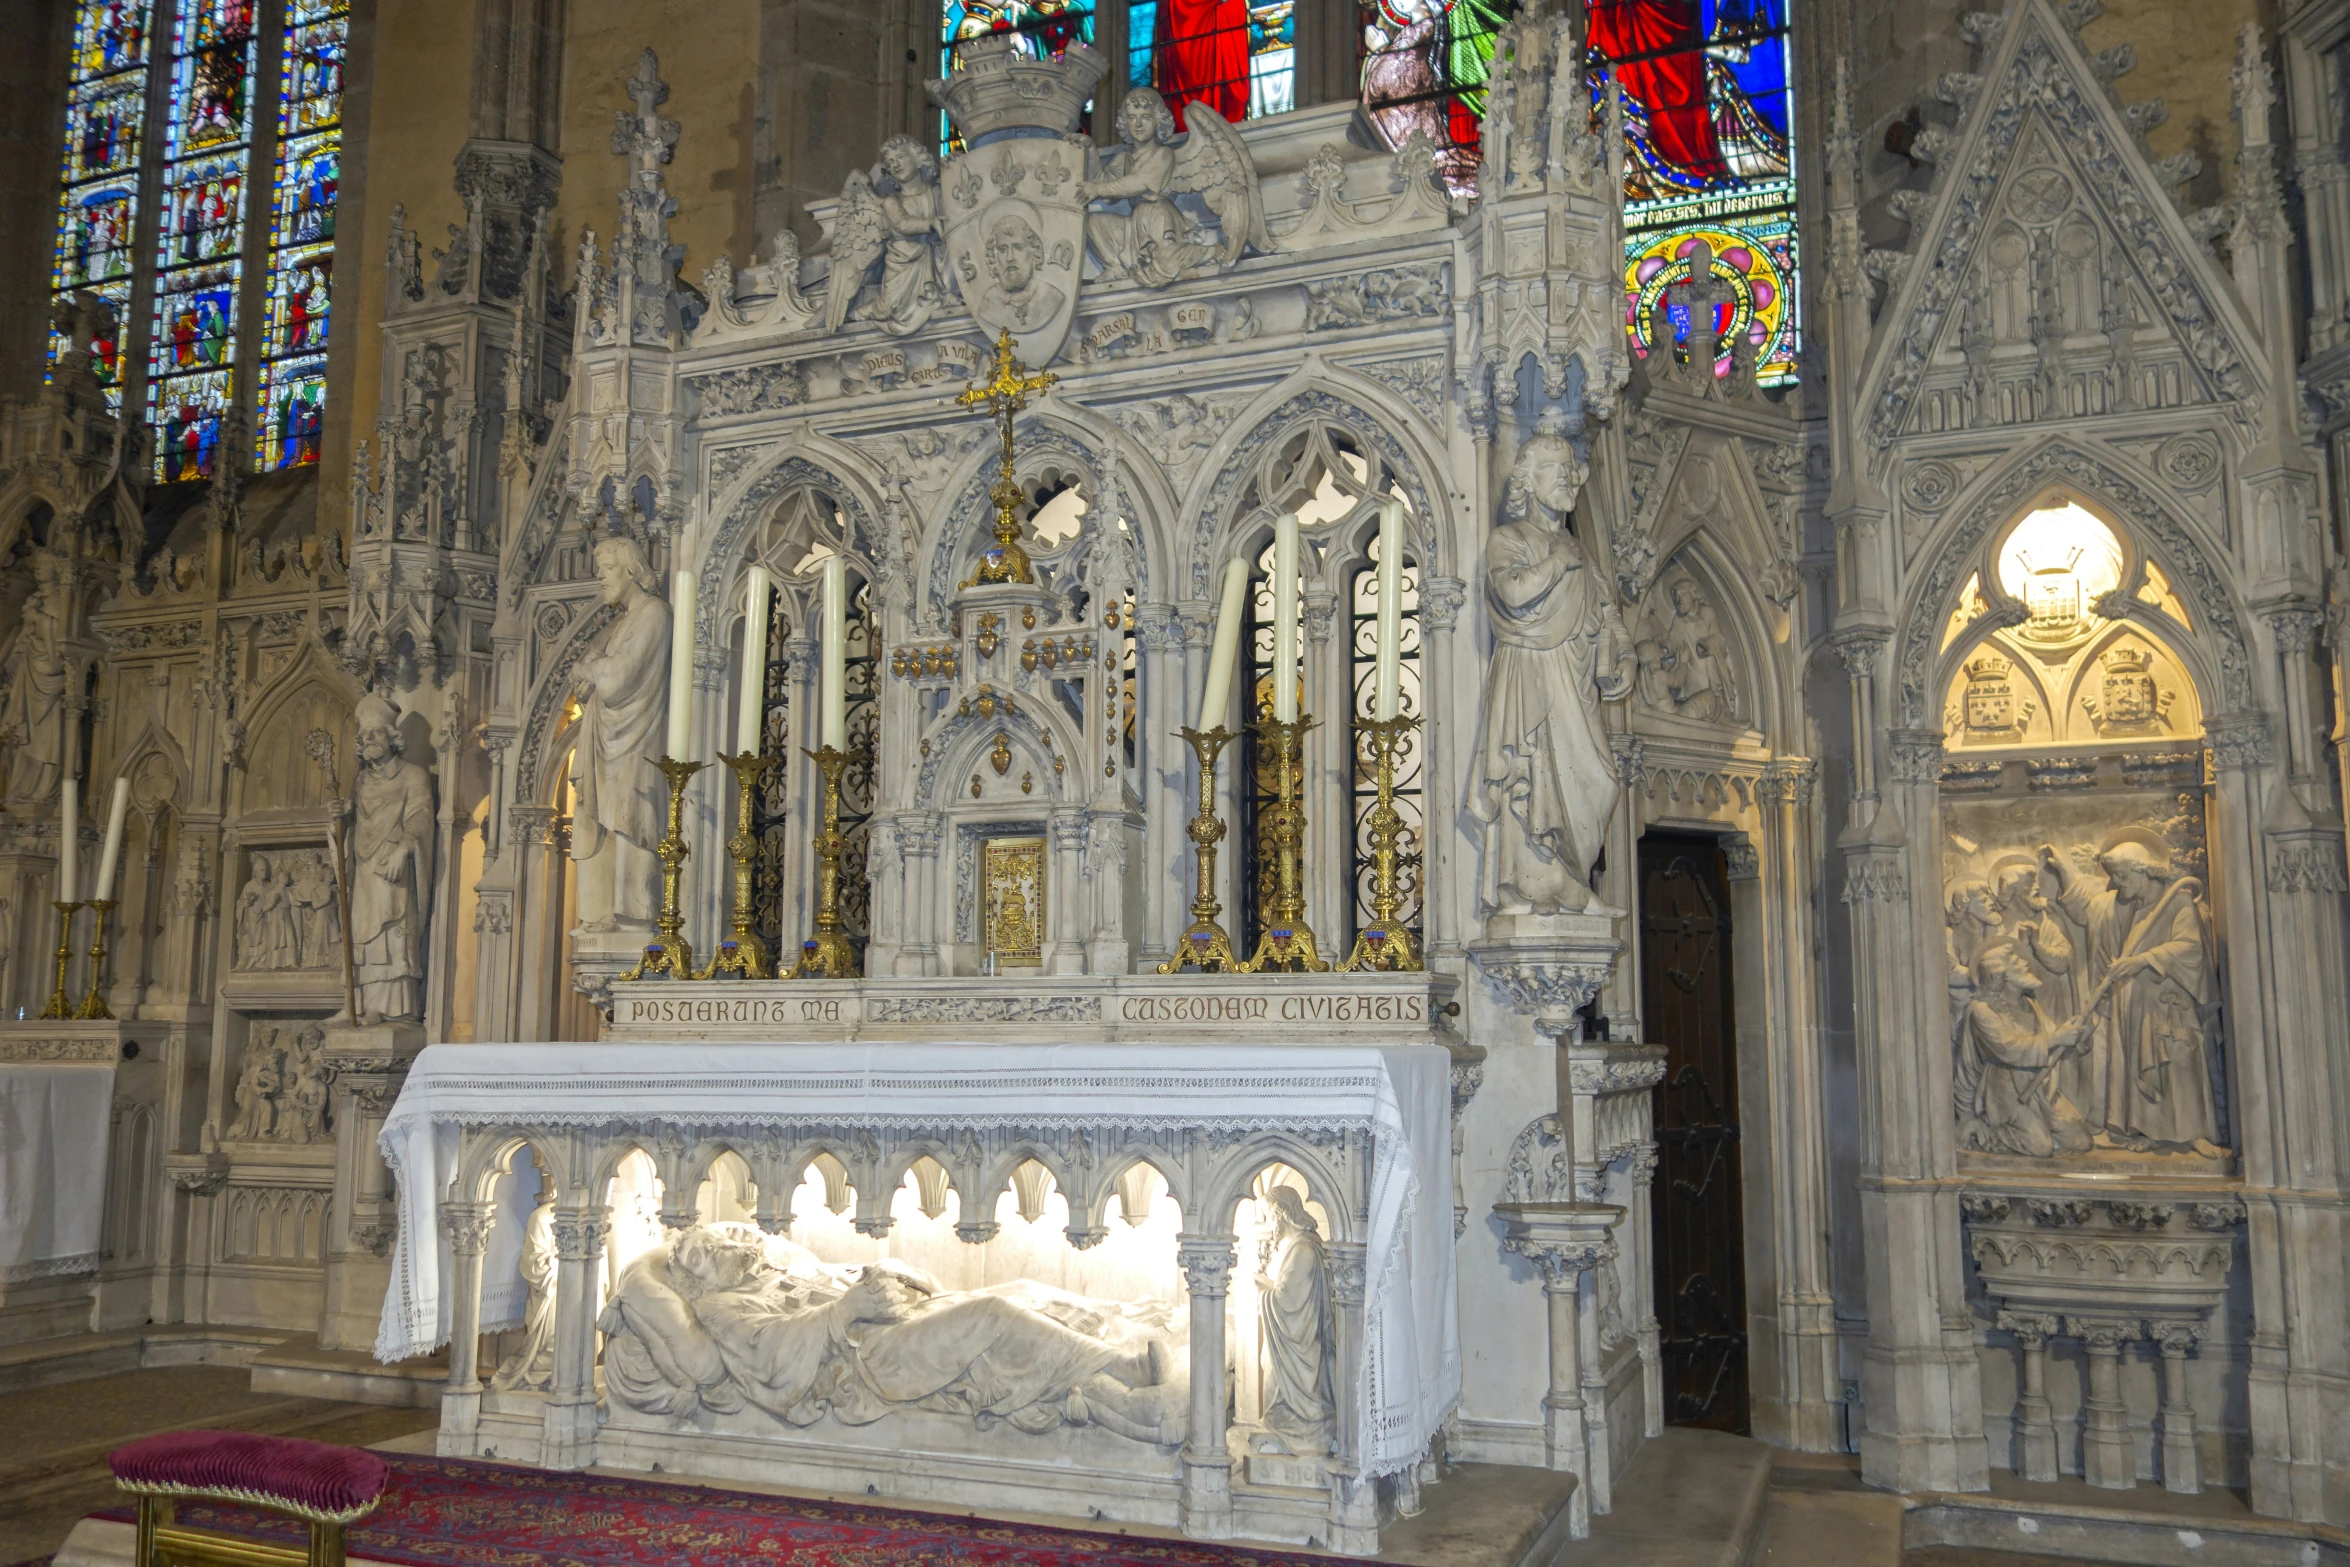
699 1376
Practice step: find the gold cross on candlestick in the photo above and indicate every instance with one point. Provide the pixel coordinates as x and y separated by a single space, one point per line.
1006 395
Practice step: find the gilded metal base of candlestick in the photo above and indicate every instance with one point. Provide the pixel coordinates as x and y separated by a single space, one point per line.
1287 945
1205 947
743 954
671 953
828 954
59 1005
93 1007
1385 945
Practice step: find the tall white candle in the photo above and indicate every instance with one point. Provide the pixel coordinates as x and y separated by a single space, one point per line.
681 665
1215 703
750 727
1385 693
835 652
1285 618
69 837
103 887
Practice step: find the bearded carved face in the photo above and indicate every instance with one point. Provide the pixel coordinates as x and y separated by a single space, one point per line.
1012 255
1548 474
376 745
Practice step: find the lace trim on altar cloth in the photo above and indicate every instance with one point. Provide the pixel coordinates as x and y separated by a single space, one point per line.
50 1268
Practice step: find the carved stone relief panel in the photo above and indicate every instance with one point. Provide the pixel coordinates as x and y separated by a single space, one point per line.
287 915
2084 983
1688 664
283 1091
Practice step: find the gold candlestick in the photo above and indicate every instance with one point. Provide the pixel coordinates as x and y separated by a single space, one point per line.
93 1007
1385 944
745 954
827 954
1205 946
59 1006
672 955
1287 945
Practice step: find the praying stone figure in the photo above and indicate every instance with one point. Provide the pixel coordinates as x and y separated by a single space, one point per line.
1294 1329
258 1082
1545 784
620 800
32 701
391 869
2008 1052
2145 947
723 1317
531 1368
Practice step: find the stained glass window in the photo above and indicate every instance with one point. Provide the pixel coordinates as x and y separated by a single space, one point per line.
201 233
105 117
193 244
302 233
1709 175
1410 778
1239 57
1425 65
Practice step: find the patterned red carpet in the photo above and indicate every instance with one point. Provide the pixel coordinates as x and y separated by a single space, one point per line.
448 1512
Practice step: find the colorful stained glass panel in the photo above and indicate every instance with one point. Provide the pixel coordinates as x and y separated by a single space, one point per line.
1709 176
94 236
1238 57
293 412
188 413
195 320
1425 66
102 121
97 208
301 235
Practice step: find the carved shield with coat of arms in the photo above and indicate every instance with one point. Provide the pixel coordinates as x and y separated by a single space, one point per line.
1015 231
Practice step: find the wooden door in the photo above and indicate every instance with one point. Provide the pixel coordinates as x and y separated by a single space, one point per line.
1698 1228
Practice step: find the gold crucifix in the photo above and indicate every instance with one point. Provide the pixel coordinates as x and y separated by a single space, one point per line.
1006 395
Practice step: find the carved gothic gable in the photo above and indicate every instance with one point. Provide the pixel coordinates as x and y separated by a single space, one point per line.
2063 279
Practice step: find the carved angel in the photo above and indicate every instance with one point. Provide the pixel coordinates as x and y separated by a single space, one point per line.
1154 242
890 216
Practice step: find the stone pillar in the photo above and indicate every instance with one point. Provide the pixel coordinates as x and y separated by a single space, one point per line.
1567 1241
1920 1376
919 835
467 1225
1161 755
2182 1464
1810 1391
2035 1428
569 1441
1065 933
1354 1495
1206 1506
2108 1457
369 1065
1440 607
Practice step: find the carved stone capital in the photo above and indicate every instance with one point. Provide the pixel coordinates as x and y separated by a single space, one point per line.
1441 599
1552 985
2032 1329
468 1226
2238 740
1206 1262
1914 755
1788 780
579 1237
1859 650
2104 1335
1346 1263
2177 1339
201 1182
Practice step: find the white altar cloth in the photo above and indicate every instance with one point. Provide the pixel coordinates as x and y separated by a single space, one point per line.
54 1119
1400 1094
